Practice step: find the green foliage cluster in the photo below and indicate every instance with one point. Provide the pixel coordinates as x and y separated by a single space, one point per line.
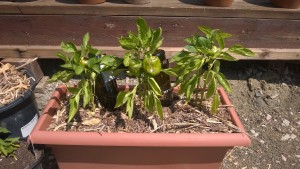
84 64
198 66
144 66
8 145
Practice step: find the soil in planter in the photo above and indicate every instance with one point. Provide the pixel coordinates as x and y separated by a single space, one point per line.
179 118
24 157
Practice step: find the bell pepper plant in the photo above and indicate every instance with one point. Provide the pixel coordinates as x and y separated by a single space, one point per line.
143 65
198 65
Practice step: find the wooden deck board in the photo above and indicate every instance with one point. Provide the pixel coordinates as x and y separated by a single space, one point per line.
50 52
33 28
190 8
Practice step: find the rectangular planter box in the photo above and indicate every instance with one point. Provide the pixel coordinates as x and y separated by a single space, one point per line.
95 150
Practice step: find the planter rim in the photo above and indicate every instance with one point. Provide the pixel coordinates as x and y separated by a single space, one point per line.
40 135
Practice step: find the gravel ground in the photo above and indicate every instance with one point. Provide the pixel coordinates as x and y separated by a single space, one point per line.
266 96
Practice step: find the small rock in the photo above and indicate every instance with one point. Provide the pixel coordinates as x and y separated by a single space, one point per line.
285 137
298 156
269 117
283 157
285 123
260 102
293 136
258 93
274 96
262 141
254 133
244 168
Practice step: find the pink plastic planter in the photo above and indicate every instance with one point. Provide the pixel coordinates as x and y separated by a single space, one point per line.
93 150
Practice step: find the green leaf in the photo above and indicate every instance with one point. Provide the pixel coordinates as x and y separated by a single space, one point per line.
181 56
127 58
191 87
62 57
143 30
169 71
211 88
64 76
225 35
149 101
96 68
12 140
226 56
223 82
67 66
159 108
216 66
85 41
156 40
203 42
68 47
215 103
206 30
127 43
239 49
79 69
3 150
87 94
73 90
93 51
220 41
121 98
92 61
74 105
4 130
129 105
191 48
154 86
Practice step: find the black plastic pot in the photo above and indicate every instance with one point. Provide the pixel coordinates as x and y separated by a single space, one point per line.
21 115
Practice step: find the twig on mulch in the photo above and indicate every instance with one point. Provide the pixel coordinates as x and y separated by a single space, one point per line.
13 83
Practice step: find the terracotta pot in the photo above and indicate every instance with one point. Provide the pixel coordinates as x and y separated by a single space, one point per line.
218 3
91 1
292 4
135 150
137 1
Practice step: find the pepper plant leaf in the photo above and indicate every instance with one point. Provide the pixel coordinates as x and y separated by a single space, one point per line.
159 108
154 86
74 105
223 82
68 47
239 49
215 103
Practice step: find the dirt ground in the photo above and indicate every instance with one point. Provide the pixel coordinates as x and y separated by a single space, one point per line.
266 95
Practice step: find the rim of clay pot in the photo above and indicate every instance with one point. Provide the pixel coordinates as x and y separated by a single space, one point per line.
91 1
40 135
290 4
137 2
218 3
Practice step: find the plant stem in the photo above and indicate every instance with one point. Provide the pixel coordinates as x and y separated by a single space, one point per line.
198 84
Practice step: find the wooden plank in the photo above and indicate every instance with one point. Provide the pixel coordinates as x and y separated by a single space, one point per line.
195 8
50 30
7 7
7 51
